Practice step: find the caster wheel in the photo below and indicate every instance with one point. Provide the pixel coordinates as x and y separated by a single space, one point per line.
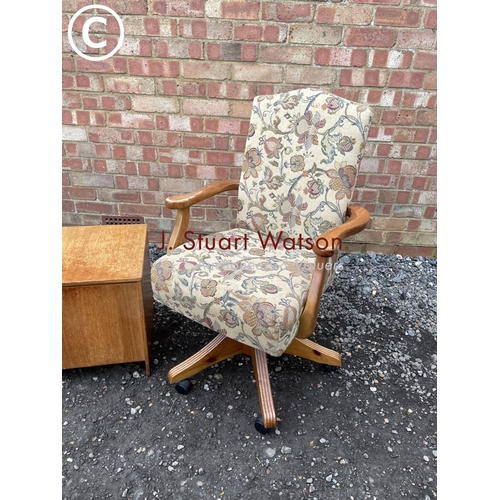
330 368
259 425
184 386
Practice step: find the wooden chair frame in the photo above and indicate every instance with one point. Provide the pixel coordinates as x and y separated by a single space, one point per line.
222 347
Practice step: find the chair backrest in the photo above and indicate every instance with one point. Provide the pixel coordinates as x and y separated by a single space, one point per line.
302 157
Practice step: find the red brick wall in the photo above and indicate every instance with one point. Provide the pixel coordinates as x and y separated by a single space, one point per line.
170 110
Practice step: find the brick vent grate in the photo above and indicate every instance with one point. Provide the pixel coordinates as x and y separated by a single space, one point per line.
108 220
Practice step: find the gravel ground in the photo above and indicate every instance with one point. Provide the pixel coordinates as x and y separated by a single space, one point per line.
366 431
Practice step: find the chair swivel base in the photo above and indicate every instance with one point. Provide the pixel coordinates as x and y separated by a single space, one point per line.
222 347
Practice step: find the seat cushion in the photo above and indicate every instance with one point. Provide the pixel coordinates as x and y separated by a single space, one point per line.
250 286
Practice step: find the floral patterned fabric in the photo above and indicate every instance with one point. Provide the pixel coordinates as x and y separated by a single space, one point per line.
254 292
302 157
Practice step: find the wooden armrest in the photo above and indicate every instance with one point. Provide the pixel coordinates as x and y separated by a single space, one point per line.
183 202
358 220
186 200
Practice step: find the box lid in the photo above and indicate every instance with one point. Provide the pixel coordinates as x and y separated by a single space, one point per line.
103 254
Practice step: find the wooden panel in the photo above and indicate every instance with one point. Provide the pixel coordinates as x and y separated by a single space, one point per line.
103 254
103 324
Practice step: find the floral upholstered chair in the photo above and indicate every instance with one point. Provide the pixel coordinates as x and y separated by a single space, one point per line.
259 285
